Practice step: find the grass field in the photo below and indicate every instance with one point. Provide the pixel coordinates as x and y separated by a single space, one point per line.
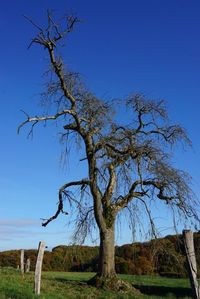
60 285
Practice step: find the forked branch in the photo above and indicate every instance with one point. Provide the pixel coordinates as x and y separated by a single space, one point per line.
36 119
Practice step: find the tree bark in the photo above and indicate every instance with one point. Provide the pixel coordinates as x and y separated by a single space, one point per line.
107 253
106 277
191 261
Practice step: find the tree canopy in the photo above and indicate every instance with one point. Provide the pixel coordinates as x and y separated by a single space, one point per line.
128 157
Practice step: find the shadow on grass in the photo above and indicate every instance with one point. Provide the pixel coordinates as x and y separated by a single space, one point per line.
151 290
164 291
71 281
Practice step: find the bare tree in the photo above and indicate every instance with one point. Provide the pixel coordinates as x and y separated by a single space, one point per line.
127 161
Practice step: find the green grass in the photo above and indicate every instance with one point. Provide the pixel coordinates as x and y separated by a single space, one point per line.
62 285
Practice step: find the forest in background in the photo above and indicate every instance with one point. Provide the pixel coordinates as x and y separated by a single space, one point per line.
163 256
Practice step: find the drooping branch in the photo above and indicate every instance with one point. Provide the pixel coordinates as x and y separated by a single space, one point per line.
170 185
153 227
83 225
60 197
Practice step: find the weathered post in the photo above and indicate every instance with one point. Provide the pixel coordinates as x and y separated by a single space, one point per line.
38 267
22 261
191 261
27 266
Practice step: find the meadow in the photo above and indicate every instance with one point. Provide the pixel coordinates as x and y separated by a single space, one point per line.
60 285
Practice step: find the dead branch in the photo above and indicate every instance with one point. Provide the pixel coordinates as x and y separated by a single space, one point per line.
60 203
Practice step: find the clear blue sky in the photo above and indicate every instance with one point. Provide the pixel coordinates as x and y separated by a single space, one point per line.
151 46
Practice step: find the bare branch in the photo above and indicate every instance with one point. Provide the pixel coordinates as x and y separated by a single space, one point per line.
153 228
33 23
37 119
60 203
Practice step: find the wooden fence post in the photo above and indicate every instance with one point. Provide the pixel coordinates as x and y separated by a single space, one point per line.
191 261
38 267
22 261
27 266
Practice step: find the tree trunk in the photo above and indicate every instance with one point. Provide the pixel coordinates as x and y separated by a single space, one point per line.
107 253
106 277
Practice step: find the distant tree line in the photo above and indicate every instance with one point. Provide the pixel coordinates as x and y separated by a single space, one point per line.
159 256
